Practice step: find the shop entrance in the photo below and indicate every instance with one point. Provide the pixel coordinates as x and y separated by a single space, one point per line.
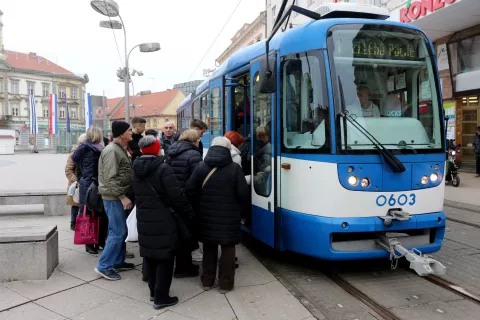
470 121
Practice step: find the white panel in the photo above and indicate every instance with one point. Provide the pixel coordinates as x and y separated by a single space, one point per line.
313 188
467 81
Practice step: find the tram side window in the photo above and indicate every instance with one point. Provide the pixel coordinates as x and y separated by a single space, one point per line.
305 112
262 157
205 110
196 109
216 120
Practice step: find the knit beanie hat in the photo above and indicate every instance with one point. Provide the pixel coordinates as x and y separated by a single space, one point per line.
149 145
119 128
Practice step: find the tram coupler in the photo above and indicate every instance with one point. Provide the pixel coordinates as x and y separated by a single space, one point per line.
421 264
395 214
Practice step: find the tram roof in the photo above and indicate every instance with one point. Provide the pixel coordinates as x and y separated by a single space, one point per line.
294 40
290 41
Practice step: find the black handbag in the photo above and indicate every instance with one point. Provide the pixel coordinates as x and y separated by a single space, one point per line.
93 198
183 223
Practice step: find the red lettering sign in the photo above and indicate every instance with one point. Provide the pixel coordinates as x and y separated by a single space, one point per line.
421 8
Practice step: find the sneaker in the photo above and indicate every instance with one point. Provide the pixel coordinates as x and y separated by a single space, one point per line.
124 267
72 226
129 255
171 301
197 255
108 274
207 288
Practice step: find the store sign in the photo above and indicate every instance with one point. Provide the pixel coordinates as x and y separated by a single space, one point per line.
422 8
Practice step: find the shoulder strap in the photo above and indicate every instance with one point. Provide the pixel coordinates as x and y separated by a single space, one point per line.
208 176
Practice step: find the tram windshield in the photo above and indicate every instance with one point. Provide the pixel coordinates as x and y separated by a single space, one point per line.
389 87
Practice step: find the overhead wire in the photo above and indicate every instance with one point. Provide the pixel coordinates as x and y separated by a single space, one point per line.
218 35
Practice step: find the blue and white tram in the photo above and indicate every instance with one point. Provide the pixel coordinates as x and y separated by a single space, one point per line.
346 121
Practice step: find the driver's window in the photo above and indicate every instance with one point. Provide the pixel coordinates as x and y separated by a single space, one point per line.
304 104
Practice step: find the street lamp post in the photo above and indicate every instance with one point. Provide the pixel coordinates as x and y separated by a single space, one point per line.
109 8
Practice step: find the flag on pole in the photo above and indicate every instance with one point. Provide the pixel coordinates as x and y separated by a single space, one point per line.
53 114
68 114
88 111
33 116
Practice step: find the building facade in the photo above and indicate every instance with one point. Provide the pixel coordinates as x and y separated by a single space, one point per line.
157 108
188 87
24 74
454 28
248 34
273 7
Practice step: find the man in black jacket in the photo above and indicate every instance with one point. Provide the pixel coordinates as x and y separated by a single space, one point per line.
200 127
138 128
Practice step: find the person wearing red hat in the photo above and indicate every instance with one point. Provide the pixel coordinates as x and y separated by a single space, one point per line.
157 193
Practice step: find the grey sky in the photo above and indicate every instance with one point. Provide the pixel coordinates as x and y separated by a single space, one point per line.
67 32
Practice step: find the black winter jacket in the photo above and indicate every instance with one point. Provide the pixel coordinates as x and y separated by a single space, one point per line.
220 202
157 231
86 158
183 157
133 145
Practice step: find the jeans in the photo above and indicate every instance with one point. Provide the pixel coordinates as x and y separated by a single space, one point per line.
114 251
73 215
159 278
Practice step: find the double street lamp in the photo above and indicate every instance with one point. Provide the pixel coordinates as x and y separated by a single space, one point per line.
109 8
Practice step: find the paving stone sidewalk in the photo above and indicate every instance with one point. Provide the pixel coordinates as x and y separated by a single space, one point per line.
75 291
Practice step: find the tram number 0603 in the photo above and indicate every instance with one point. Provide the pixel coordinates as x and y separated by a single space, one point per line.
401 200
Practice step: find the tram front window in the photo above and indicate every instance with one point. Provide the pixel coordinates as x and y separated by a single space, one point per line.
389 87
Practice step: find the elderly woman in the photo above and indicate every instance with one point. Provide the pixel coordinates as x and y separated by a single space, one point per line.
87 157
219 192
237 140
156 191
73 174
183 156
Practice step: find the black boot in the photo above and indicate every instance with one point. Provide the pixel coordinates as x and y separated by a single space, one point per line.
90 248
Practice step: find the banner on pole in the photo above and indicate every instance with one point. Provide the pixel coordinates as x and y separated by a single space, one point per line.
33 116
88 111
53 114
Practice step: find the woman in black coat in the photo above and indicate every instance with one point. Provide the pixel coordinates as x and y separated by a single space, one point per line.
156 191
183 156
219 192
86 157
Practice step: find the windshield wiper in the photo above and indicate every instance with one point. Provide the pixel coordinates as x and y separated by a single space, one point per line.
395 164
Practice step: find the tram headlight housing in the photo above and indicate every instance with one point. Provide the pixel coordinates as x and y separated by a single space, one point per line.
434 177
353 180
424 180
365 183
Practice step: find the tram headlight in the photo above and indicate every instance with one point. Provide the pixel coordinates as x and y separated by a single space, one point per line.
424 180
434 177
353 180
437 167
365 182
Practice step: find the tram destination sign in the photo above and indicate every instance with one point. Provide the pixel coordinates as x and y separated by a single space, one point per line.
392 48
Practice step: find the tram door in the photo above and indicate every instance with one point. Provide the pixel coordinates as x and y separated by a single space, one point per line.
216 102
262 178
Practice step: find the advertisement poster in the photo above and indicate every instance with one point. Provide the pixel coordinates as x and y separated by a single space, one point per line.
442 57
449 108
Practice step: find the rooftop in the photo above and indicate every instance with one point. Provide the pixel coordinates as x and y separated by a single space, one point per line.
147 105
32 61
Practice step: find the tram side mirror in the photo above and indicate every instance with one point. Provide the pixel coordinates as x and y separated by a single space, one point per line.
267 75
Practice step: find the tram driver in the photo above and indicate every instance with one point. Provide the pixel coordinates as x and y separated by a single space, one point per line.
363 107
